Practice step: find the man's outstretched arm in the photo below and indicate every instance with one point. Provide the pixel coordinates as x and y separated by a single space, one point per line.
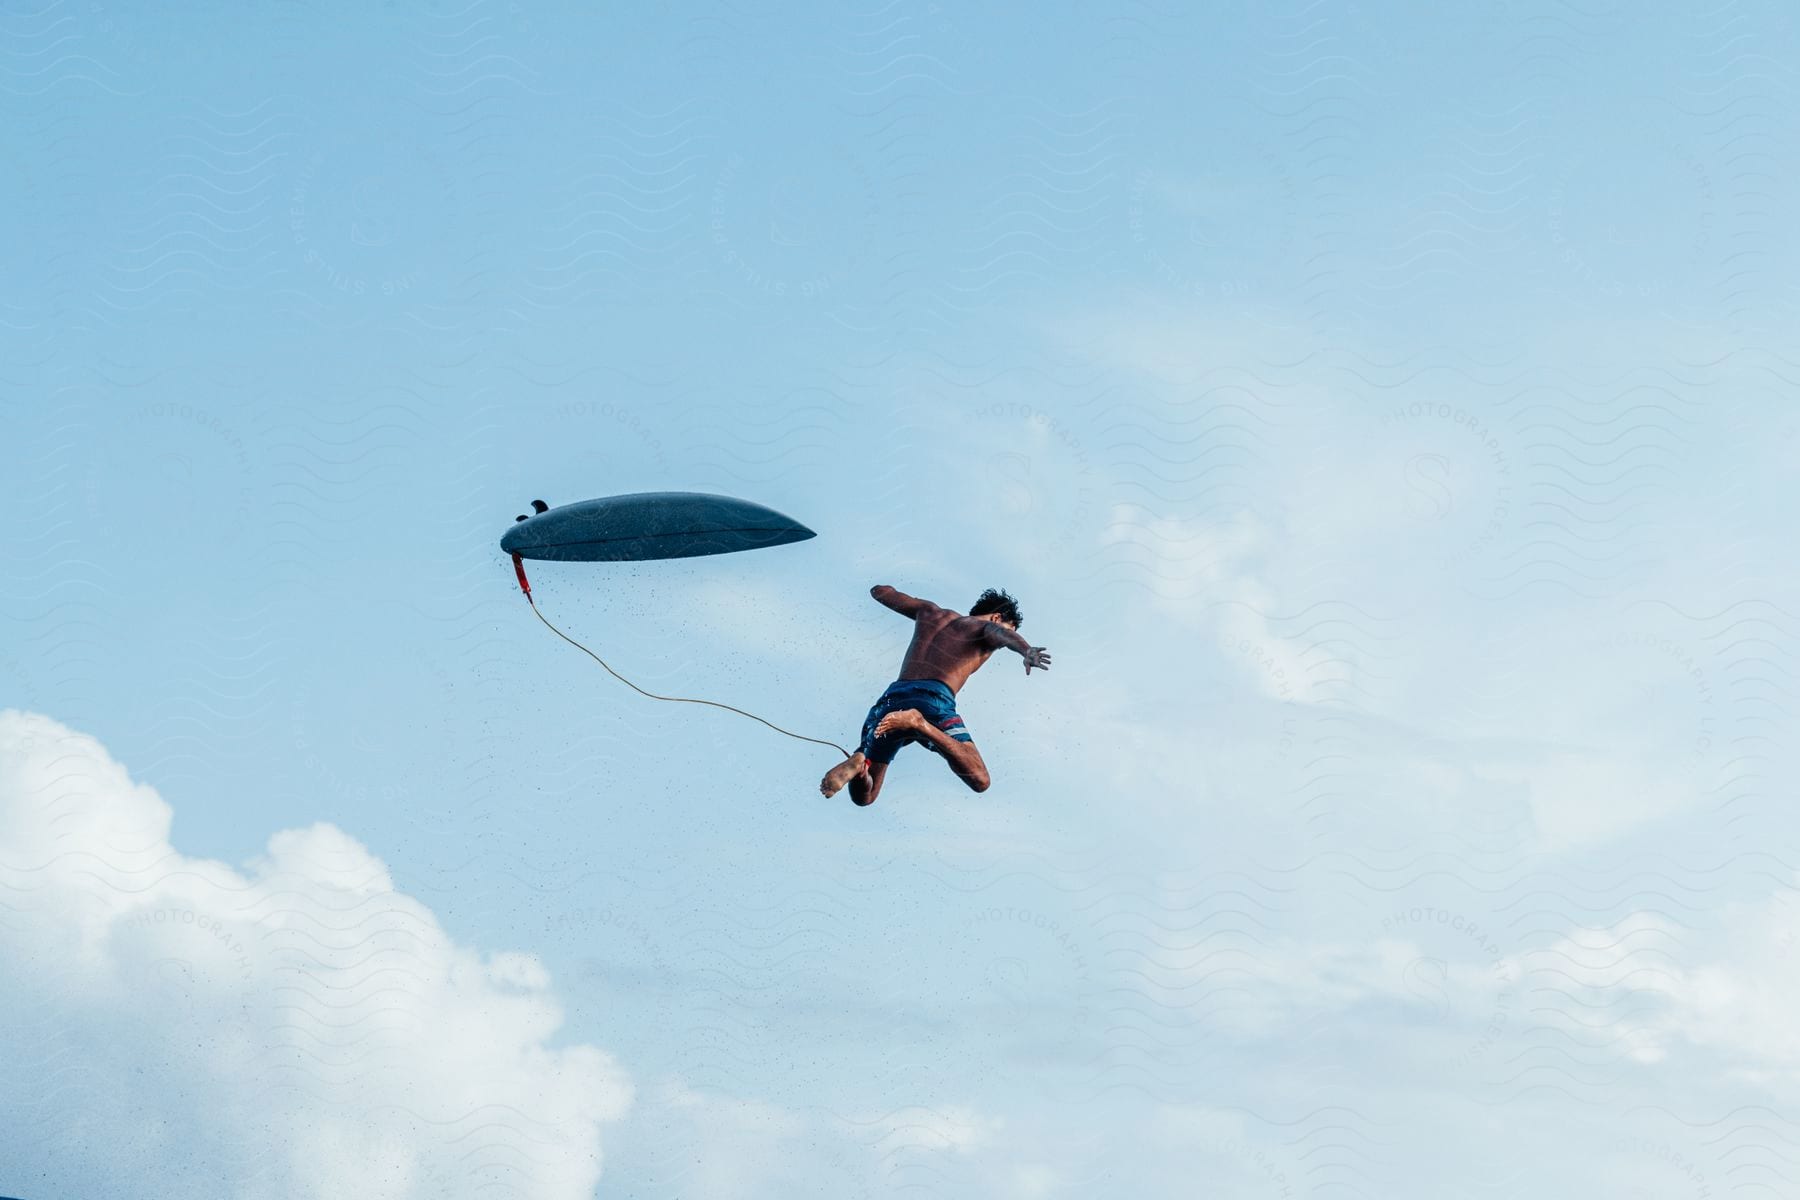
1034 656
899 601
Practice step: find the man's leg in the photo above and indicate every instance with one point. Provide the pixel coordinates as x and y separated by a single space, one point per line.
866 786
963 757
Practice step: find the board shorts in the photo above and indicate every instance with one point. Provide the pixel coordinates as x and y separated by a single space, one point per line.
934 700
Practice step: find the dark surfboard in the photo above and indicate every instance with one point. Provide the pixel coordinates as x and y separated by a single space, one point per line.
649 525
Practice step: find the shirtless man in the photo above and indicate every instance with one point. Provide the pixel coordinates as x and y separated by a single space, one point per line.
920 706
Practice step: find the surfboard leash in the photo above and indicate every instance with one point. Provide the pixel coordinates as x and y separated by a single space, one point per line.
525 586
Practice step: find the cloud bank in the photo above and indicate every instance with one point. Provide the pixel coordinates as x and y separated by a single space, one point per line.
174 1026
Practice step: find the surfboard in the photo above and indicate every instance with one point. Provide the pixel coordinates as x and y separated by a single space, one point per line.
647 525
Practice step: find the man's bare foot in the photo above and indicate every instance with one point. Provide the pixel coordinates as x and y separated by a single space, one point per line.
843 773
905 721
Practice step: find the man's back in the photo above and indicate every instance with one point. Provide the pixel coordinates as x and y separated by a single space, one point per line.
946 646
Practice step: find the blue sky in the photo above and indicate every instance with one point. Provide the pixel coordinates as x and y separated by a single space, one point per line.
1384 416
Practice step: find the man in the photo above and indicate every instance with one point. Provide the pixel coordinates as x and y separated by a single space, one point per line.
920 706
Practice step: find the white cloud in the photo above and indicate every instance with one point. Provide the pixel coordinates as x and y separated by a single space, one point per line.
1209 576
1739 1002
727 1147
1196 559
731 1148
297 1029
1580 797
1034 1181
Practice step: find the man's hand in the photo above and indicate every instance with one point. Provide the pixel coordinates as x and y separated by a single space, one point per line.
997 634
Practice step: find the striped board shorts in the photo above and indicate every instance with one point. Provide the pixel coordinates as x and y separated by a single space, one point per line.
932 697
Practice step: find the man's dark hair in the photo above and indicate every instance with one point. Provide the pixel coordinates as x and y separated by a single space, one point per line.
996 601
